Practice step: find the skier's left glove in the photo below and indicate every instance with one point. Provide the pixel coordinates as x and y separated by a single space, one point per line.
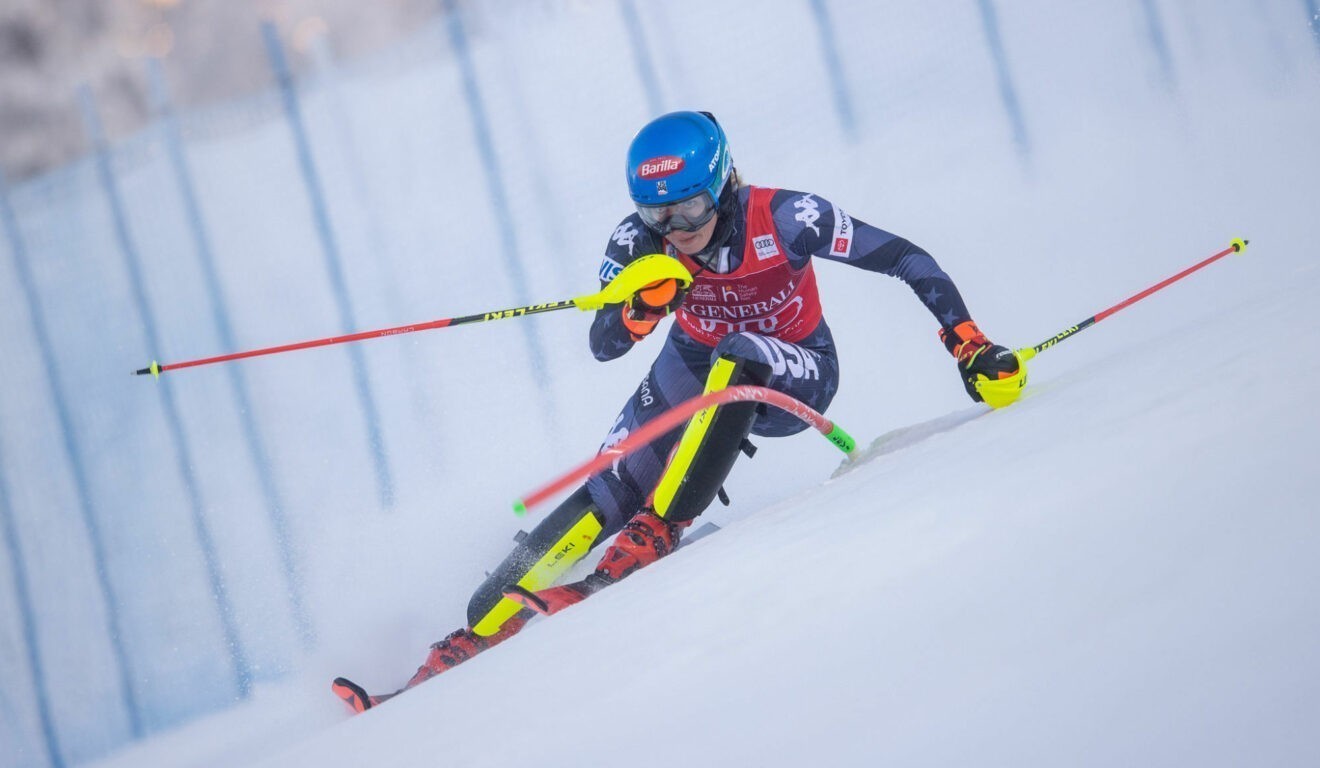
650 305
980 361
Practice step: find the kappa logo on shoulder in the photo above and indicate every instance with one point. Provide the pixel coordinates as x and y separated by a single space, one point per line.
625 235
765 246
808 212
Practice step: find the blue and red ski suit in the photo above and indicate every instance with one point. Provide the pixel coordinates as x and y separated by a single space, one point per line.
755 298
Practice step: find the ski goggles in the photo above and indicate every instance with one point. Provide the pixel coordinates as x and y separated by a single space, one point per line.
685 215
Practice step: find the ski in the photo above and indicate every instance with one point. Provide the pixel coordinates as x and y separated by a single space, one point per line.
545 602
355 696
705 530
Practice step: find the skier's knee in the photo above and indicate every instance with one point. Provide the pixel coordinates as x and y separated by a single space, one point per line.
709 447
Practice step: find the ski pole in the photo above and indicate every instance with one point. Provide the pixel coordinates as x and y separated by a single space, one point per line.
1026 353
675 416
639 273
156 369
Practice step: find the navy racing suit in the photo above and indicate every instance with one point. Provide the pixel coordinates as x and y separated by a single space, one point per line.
805 365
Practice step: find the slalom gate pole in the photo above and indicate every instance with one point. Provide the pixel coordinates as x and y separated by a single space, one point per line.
676 416
638 274
1026 353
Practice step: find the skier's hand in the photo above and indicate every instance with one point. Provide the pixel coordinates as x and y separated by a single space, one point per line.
650 305
979 359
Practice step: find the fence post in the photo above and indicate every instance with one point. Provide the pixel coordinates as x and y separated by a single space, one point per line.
834 66
1007 94
334 267
498 198
1313 18
555 241
14 548
128 250
642 58
50 368
341 125
261 460
1155 32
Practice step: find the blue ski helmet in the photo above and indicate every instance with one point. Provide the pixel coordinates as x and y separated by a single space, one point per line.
678 156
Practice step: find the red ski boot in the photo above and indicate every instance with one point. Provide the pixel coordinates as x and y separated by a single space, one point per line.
460 646
455 649
646 538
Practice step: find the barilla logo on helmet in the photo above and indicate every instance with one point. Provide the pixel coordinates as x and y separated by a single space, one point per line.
659 167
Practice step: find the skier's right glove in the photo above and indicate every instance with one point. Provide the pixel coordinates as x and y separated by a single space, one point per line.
981 361
650 305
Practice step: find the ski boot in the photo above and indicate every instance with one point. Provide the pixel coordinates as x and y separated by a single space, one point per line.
646 538
459 646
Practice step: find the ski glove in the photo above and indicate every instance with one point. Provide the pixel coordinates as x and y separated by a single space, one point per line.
977 356
649 305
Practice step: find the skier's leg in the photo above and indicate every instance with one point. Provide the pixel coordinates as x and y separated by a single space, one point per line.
598 509
808 372
697 468
573 528
678 374
713 438
690 480
675 376
685 469
701 458
538 560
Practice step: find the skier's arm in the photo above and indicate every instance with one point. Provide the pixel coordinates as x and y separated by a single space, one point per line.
813 227
610 336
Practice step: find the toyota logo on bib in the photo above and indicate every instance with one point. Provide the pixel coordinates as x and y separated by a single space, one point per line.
659 167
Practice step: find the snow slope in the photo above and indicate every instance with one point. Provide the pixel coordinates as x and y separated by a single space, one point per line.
1117 569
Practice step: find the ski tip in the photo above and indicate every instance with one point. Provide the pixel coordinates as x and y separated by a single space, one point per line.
351 694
